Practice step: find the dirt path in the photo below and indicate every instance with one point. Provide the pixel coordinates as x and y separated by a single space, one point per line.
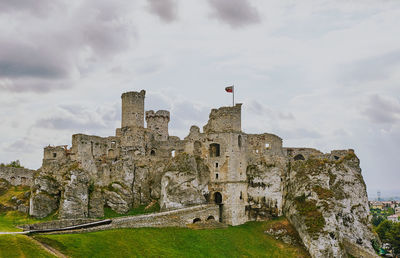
48 248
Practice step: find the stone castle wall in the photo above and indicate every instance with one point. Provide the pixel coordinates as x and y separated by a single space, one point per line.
17 176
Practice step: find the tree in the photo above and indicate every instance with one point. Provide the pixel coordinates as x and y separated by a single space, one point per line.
383 230
376 220
394 238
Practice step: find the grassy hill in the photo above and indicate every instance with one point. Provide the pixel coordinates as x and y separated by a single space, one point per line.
20 246
248 240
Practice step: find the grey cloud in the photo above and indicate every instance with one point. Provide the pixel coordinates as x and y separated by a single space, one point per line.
21 60
42 60
166 10
371 69
236 13
299 133
37 7
21 145
64 123
382 110
80 118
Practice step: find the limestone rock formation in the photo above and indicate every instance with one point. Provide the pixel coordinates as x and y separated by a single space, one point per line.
326 201
184 183
75 195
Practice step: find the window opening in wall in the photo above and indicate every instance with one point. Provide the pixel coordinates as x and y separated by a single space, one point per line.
54 155
210 217
113 144
214 150
256 151
299 157
91 148
336 157
196 220
241 196
173 153
216 176
240 141
267 145
152 153
218 198
216 164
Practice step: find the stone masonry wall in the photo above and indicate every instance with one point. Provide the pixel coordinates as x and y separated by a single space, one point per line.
17 176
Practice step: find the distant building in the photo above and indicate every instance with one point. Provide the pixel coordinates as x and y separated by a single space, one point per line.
394 217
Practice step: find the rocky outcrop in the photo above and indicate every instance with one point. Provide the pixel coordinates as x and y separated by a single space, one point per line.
75 197
326 201
45 196
265 187
184 182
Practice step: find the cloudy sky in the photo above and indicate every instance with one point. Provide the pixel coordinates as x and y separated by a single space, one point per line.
322 74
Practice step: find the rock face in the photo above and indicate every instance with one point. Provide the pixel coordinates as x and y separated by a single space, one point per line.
326 201
75 197
184 183
249 177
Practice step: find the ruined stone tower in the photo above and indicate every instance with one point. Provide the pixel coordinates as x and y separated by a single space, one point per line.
133 109
157 122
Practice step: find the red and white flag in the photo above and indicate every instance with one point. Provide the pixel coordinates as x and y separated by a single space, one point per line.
229 89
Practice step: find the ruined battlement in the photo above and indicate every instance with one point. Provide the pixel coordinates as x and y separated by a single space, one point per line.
160 113
224 119
157 122
54 152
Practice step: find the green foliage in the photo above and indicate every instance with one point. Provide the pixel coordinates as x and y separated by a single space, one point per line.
20 246
248 240
376 220
389 232
310 214
109 213
11 219
13 164
383 230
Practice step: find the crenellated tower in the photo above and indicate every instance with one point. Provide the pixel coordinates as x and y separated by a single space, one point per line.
133 109
157 122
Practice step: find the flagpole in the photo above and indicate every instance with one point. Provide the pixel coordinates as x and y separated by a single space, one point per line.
233 96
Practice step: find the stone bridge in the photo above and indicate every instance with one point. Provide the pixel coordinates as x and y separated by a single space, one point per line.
173 218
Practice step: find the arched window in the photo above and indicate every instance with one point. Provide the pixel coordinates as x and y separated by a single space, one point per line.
173 153
218 198
196 220
299 157
240 141
210 217
214 150
152 153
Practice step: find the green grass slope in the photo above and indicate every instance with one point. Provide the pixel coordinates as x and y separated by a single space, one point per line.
247 240
20 246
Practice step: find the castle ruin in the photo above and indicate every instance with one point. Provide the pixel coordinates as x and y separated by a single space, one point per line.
248 176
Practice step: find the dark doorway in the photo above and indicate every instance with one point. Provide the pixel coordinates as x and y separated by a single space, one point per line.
214 150
299 157
218 198
210 218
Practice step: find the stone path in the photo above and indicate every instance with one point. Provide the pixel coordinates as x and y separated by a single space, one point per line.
14 233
